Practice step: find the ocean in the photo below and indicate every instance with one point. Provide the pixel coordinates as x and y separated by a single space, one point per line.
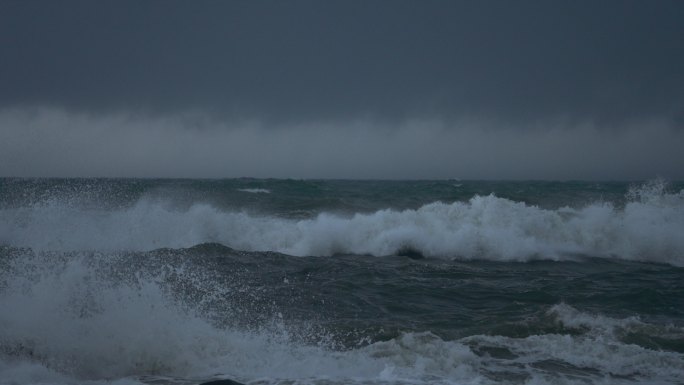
178 282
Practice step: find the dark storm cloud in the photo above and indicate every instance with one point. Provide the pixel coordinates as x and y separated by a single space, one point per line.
344 89
296 61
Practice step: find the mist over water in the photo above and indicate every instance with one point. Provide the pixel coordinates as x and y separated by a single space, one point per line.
53 142
338 282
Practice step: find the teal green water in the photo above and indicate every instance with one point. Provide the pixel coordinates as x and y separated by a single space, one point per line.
308 197
336 282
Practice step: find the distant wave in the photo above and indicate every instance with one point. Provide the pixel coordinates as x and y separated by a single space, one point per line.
648 228
255 190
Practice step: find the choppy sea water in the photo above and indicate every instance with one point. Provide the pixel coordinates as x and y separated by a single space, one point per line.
106 281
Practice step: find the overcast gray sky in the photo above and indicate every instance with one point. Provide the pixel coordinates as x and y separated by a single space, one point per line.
343 89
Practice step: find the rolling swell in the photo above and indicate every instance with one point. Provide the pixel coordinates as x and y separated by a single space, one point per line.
647 227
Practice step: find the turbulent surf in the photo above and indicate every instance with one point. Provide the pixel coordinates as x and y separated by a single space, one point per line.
129 281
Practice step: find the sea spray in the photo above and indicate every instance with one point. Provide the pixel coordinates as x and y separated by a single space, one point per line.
179 282
90 318
647 227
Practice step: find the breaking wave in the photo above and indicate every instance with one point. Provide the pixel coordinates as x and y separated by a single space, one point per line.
96 319
648 227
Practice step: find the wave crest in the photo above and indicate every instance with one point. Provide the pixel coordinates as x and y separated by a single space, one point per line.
647 228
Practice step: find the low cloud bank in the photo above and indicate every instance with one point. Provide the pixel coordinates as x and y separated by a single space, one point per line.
52 142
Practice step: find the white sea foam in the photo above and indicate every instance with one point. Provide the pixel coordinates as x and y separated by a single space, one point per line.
580 353
65 323
648 228
596 345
